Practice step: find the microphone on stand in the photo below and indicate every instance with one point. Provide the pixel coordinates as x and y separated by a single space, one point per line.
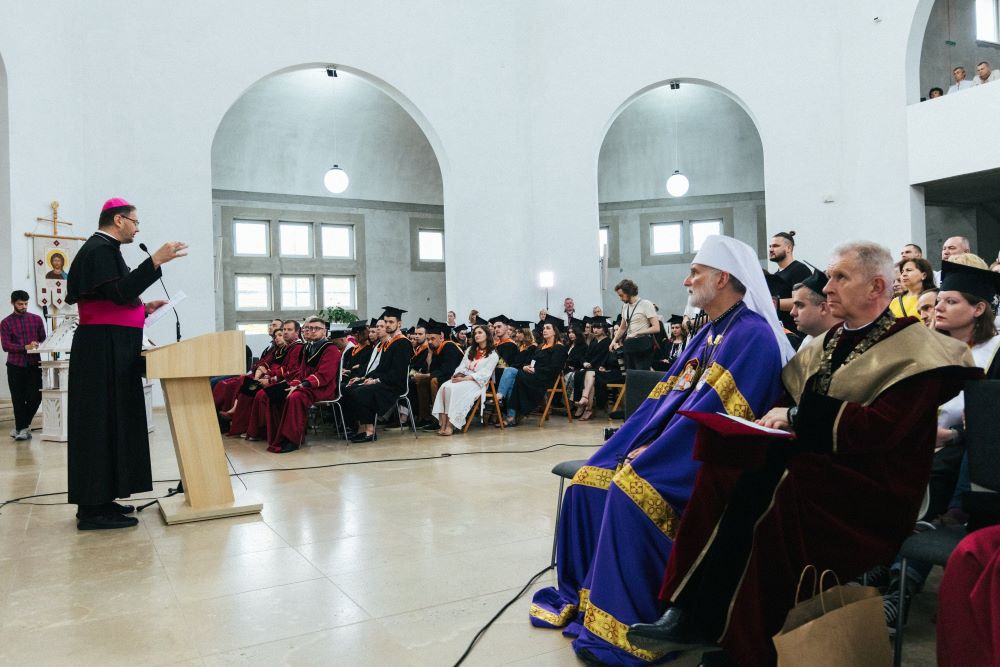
142 247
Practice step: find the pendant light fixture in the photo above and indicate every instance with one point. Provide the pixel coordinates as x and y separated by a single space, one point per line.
335 179
678 183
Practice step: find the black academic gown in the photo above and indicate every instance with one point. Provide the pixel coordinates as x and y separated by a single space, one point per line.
507 351
529 388
108 441
445 361
366 401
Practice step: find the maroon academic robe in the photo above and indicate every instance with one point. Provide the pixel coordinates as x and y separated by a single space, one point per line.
321 371
248 415
225 392
968 622
843 495
260 412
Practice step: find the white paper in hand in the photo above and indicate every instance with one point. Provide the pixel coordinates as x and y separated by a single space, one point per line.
755 426
158 314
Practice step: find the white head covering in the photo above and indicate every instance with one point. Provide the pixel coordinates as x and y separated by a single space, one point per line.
738 259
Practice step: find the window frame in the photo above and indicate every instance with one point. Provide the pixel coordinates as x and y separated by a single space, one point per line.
281 292
651 230
425 223
310 239
267 237
980 41
439 233
351 252
353 291
268 291
685 218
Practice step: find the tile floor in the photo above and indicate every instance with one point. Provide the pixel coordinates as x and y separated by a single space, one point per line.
389 563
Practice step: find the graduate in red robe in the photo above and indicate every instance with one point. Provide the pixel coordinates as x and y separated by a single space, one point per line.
968 621
108 442
249 416
316 380
225 392
843 495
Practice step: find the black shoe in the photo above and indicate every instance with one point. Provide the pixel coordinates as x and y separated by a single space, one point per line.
672 632
429 426
588 658
616 414
106 508
287 446
106 522
362 437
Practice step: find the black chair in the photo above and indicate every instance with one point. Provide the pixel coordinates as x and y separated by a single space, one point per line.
638 385
983 449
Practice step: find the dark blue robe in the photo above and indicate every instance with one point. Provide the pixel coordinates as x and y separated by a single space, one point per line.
619 520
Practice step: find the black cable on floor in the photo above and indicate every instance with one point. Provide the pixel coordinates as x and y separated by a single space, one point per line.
445 455
482 630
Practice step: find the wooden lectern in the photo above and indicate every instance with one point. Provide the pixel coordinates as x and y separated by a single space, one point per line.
183 370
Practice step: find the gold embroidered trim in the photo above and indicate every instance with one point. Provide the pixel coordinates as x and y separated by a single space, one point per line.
613 631
599 478
662 388
584 599
724 384
558 620
648 500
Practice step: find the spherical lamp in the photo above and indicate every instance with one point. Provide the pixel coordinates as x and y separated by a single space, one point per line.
678 184
336 180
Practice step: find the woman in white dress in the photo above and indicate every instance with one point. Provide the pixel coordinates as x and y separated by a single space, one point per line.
456 396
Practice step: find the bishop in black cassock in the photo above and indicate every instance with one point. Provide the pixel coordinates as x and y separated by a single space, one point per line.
108 445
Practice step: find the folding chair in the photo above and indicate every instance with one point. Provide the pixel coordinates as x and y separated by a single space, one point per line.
560 387
338 415
620 387
492 389
405 397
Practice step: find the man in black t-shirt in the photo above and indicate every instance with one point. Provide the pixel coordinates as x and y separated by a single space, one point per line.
790 271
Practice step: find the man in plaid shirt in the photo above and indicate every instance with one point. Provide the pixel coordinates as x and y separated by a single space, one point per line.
20 333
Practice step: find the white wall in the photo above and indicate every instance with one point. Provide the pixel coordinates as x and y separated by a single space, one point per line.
955 134
515 98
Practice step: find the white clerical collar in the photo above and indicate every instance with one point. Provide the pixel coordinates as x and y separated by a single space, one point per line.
106 234
847 328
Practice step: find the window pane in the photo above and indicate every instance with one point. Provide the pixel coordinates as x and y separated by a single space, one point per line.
252 292
666 237
253 327
337 241
701 230
602 240
296 292
250 238
295 239
338 291
431 245
986 20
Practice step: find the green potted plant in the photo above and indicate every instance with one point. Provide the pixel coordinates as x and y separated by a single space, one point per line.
337 314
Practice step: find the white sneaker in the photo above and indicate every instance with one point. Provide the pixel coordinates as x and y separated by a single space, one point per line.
14 432
22 435
27 433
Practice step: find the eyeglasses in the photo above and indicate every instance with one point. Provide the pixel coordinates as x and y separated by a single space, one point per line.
313 328
132 220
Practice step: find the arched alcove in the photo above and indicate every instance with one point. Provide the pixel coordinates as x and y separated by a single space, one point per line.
708 135
269 155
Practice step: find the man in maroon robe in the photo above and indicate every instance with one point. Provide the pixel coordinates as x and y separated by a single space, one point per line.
225 392
284 368
316 380
843 495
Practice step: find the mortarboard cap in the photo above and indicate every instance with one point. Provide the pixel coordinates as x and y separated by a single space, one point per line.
461 327
359 325
338 333
676 319
982 283
408 332
556 323
500 318
520 324
422 323
480 320
392 311
816 282
577 323
373 323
